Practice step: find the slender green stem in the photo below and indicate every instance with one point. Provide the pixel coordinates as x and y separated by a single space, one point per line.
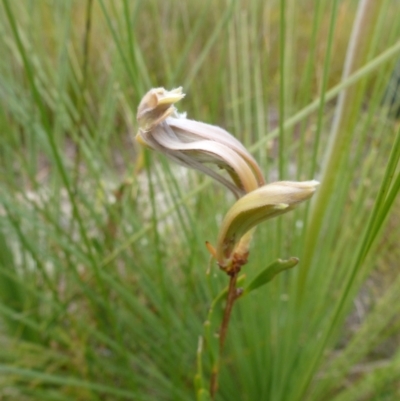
326 70
81 100
282 91
345 118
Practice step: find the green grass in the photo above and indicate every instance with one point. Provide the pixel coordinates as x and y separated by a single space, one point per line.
103 285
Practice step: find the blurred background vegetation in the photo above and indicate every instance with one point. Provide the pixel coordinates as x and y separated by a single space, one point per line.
103 286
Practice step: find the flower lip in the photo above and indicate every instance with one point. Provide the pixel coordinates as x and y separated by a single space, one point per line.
170 97
156 106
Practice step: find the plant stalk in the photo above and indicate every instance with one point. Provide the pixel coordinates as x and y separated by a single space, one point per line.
231 298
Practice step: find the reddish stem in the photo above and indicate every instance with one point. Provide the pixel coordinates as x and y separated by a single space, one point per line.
231 298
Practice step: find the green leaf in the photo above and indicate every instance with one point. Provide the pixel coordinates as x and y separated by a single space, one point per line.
266 275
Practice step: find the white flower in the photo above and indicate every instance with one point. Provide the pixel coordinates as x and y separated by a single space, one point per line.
195 144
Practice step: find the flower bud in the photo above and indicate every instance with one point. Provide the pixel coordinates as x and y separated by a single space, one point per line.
264 203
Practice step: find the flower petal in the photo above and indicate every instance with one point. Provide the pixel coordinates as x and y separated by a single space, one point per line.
190 130
197 152
264 203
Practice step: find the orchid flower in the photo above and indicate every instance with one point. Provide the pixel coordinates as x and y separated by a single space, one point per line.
195 144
